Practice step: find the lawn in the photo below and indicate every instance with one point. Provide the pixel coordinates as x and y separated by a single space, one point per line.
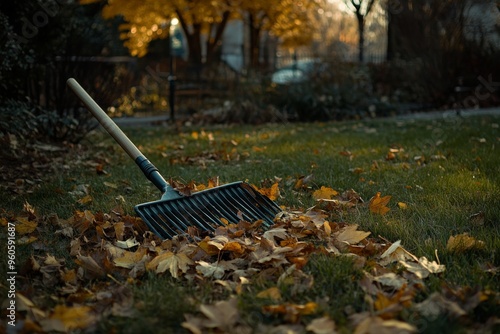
426 192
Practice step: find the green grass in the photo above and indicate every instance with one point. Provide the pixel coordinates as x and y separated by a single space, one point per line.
457 175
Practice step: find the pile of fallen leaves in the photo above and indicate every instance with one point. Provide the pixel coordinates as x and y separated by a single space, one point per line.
109 252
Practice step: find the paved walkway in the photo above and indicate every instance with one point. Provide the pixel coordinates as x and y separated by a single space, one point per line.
162 119
450 113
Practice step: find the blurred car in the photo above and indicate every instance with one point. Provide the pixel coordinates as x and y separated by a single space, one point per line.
296 72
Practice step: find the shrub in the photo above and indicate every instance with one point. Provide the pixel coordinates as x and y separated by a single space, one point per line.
30 122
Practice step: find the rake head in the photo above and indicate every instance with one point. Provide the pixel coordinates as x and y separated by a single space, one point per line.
205 209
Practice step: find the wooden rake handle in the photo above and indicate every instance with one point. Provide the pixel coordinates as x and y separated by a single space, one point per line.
107 123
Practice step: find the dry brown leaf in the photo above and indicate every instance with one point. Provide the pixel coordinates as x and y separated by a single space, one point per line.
378 325
463 242
129 260
119 230
209 247
437 305
210 269
129 243
396 253
351 235
90 266
278 232
391 280
323 325
222 315
172 262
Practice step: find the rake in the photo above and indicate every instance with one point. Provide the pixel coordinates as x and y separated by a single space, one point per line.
174 213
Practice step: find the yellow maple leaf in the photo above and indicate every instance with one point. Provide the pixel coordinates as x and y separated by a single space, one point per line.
463 242
130 259
324 193
171 261
378 204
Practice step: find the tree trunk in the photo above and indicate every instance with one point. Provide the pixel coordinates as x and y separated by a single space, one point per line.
254 30
213 44
361 31
389 55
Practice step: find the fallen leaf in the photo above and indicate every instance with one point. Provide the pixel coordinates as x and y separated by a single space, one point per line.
378 325
85 200
357 170
222 315
423 267
273 192
75 317
129 243
391 280
303 182
111 185
323 325
396 253
402 206
278 232
390 156
24 226
433 267
210 269
477 219
292 312
463 242
129 260
378 204
437 305
90 266
324 193
172 262
351 235
271 293
346 153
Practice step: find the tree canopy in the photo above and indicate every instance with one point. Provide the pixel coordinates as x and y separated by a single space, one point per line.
204 21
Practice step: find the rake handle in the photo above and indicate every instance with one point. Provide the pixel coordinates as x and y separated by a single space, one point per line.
107 123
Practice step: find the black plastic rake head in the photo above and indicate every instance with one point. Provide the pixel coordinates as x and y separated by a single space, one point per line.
174 213
207 209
